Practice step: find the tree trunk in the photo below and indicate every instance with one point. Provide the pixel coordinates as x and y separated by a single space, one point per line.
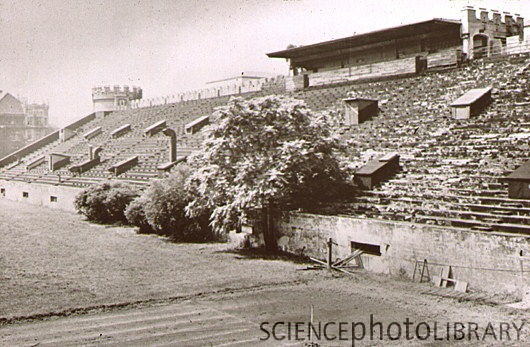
269 235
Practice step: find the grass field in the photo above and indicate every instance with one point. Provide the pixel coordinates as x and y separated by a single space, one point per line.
51 261
119 287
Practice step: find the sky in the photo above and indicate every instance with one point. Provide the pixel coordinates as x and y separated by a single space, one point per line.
57 50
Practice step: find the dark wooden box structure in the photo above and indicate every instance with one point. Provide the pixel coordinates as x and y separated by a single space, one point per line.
120 131
124 165
359 110
377 171
155 128
93 133
58 160
519 182
471 103
197 124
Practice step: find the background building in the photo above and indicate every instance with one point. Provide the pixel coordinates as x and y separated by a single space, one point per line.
20 123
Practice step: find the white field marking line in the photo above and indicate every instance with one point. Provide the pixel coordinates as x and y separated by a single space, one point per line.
203 337
64 323
251 322
228 343
89 317
176 334
115 333
298 343
238 318
237 305
223 313
235 343
68 330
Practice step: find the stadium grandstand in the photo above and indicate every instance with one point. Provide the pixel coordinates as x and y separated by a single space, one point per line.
453 170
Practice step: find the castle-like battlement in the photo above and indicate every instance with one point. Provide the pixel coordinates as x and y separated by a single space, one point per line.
106 98
488 31
104 92
494 16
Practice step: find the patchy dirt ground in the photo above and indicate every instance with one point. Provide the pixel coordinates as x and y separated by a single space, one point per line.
116 287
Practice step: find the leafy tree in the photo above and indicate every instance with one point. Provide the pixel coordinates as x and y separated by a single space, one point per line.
269 151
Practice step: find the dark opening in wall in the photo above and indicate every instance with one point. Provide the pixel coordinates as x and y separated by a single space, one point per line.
25 194
367 248
2 191
53 198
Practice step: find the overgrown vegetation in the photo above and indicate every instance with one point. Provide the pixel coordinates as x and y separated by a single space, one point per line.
265 152
135 214
270 153
106 202
161 209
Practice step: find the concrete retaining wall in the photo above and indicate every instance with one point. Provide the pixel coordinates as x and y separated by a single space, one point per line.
488 261
40 194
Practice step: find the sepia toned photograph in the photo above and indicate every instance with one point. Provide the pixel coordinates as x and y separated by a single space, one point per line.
305 173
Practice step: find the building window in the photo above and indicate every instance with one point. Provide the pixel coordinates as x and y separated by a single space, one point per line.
25 194
367 248
53 198
2 191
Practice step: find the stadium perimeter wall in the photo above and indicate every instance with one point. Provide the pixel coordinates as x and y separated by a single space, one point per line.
41 194
493 262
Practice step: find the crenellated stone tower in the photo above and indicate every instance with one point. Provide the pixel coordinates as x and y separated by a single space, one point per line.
487 33
112 99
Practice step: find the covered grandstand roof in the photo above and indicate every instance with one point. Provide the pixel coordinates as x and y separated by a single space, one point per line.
436 24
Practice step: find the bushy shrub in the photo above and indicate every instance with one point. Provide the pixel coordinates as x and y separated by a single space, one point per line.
106 202
136 216
162 207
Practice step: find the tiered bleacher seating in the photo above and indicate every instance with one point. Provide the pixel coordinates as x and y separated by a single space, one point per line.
450 168
151 151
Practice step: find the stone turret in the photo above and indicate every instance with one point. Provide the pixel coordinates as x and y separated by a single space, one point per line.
116 98
487 33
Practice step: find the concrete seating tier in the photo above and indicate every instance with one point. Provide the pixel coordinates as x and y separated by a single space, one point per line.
151 152
450 168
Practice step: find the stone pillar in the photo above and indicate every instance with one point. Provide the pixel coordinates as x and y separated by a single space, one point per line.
173 143
96 152
469 17
520 25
